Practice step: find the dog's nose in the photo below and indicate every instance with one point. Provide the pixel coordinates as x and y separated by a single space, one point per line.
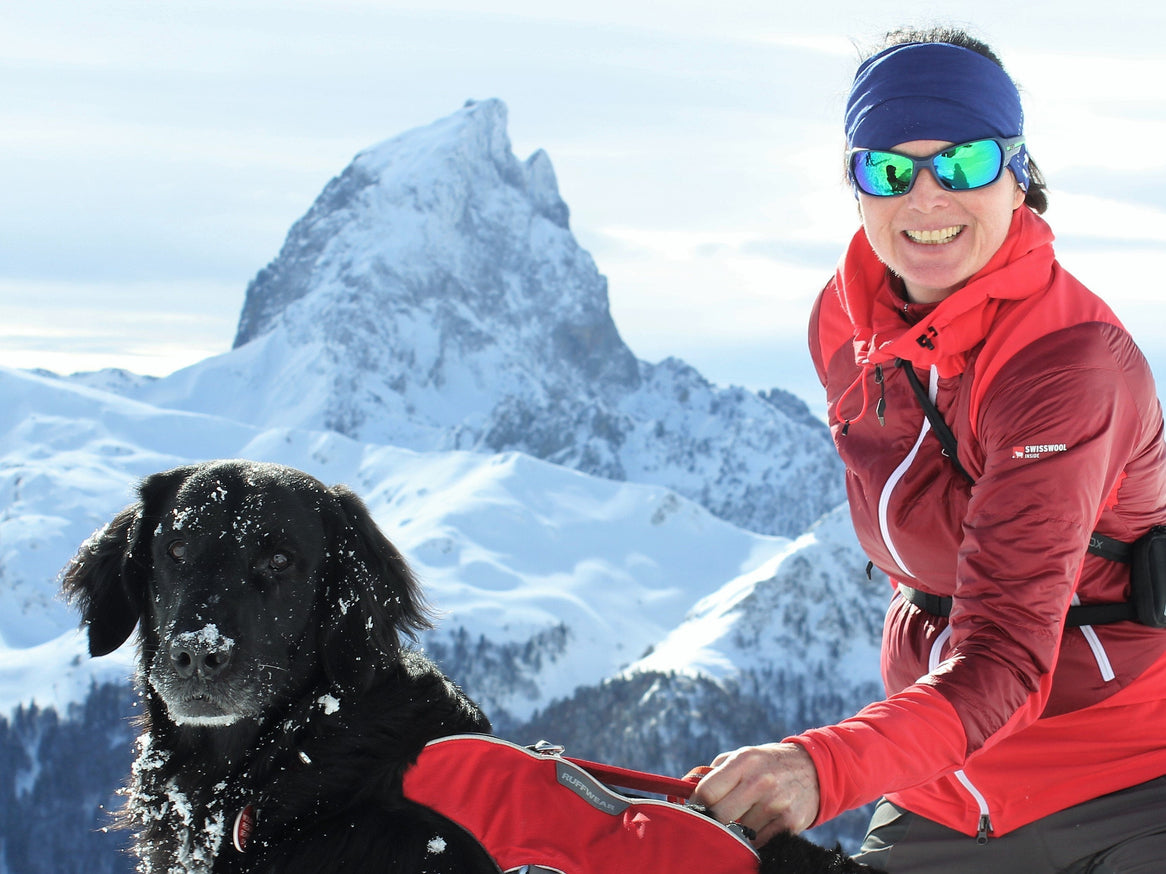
192 658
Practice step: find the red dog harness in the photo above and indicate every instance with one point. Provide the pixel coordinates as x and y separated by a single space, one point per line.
541 812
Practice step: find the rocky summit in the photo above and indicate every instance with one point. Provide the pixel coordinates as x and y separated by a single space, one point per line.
434 297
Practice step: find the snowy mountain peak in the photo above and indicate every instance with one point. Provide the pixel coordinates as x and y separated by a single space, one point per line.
401 210
434 297
468 140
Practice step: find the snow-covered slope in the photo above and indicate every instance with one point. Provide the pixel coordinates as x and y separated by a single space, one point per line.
809 606
579 574
434 297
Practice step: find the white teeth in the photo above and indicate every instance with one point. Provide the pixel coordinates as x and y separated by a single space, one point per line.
943 235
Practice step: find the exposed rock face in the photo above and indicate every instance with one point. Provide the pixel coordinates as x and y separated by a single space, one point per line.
434 297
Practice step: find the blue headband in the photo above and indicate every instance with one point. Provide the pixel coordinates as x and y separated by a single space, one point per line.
933 91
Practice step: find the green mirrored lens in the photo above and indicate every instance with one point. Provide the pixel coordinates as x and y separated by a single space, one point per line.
883 174
969 165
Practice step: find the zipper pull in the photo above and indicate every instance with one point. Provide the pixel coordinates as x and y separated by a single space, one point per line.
881 406
985 827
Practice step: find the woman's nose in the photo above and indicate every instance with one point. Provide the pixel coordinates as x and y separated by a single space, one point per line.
927 190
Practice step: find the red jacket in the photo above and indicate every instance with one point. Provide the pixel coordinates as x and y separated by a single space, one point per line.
1002 715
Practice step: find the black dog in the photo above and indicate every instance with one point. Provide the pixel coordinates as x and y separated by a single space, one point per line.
280 708
278 699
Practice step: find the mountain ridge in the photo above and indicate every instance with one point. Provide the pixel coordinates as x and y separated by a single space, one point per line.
434 297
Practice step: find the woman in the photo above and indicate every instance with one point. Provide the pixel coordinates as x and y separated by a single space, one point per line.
1011 738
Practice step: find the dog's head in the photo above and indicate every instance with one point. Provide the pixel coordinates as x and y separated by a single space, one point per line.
251 582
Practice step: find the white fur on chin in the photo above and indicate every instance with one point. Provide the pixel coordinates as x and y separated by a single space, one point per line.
207 721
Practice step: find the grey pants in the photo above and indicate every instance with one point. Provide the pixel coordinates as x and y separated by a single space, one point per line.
1122 833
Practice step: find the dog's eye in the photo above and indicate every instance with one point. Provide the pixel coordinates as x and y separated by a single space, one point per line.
279 561
177 550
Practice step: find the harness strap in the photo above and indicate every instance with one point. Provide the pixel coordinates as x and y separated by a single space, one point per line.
640 781
1082 614
1108 547
938 423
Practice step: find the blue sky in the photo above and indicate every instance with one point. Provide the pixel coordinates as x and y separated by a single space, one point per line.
154 154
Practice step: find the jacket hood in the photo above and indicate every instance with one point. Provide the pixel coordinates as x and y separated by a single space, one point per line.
1021 267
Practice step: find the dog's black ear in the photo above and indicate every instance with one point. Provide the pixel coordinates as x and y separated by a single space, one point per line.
93 581
108 577
372 597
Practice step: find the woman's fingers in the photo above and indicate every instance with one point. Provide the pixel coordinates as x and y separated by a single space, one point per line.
769 789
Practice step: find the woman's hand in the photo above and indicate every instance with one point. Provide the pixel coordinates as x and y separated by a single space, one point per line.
770 789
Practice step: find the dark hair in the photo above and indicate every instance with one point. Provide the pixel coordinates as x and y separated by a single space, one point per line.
1036 197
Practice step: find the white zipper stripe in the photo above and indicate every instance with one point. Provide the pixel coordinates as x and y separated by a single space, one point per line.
933 660
1099 654
897 474
973 791
985 824
885 500
1107 674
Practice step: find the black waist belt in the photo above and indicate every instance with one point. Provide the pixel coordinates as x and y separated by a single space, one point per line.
1087 614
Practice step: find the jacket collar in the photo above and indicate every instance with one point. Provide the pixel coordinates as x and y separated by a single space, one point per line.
1021 267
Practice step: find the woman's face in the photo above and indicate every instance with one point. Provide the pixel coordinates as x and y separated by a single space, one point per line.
937 239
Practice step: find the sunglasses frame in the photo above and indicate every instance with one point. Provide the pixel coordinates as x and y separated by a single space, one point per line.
1008 147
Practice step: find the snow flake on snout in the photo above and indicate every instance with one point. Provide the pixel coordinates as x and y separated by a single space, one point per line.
436 846
208 637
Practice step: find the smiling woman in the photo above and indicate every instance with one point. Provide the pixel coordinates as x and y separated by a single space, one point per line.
935 238
1015 423
941 208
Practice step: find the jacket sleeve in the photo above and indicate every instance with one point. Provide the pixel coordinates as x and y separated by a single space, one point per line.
887 746
1053 441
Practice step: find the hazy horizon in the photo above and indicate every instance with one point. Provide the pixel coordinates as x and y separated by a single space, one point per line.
155 156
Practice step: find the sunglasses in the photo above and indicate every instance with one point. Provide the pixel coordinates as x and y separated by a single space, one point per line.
962 167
